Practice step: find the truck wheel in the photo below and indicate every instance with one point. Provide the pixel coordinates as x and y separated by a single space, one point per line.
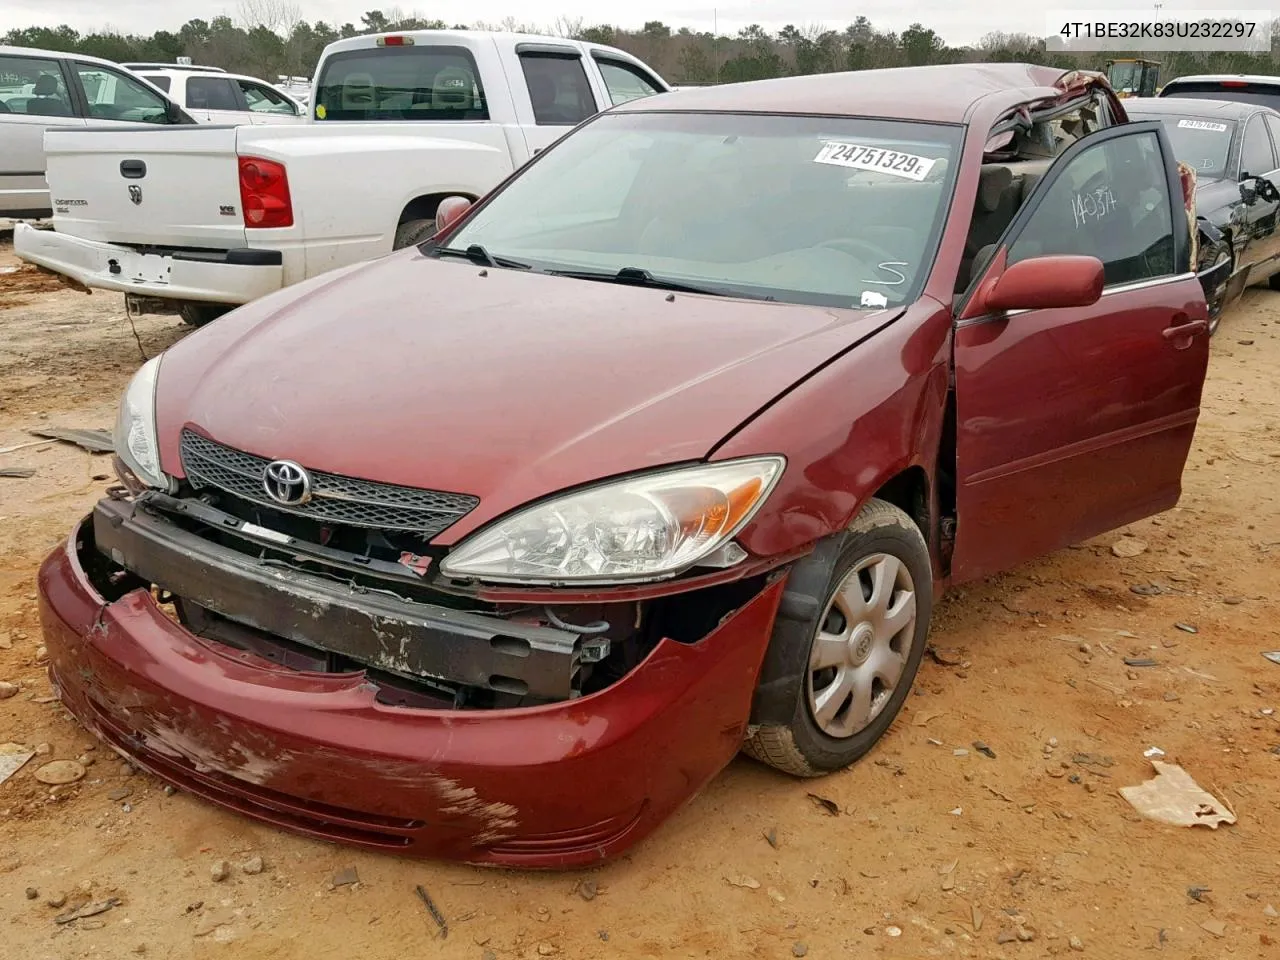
198 314
866 636
413 232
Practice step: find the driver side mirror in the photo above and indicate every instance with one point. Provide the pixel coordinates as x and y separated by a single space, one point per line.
1047 283
450 211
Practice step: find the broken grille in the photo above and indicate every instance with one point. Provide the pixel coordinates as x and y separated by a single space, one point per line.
334 499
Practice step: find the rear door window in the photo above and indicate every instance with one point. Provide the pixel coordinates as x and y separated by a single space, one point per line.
212 93
33 86
558 88
263 99
1257 157
400 83
157 80
625 82
113 95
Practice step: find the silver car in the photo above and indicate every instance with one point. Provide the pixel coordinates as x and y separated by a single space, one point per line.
41 89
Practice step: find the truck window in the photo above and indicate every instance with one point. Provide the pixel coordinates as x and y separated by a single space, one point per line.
265 100
211 93
157 80
625 82
400 83
1256 156
112 95
33 86
558 89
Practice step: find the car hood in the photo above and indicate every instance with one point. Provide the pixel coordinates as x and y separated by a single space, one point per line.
496 383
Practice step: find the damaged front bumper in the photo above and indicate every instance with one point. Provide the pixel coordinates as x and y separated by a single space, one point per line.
555 785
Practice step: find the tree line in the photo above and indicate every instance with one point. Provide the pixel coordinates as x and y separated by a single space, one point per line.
269 38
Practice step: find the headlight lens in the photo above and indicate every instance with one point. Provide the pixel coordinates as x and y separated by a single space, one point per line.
644 528
135 433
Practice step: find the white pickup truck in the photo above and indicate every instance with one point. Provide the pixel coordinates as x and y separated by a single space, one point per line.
199 219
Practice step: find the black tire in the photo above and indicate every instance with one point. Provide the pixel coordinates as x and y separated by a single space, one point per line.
198 314
797 744
413 232
1273 281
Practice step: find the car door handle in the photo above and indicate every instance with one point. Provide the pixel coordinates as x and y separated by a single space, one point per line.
1182 333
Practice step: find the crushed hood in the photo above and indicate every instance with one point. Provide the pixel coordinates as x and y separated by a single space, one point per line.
500 384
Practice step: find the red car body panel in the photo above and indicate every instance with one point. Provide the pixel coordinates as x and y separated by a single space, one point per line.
556 786
538 384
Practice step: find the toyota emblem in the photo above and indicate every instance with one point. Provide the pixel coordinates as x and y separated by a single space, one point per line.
287 483
135 193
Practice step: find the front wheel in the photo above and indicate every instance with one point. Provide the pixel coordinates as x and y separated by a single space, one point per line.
865 645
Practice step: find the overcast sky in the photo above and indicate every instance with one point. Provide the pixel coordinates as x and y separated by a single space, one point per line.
958 21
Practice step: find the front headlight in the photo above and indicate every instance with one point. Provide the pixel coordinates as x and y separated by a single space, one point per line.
645 528
135 433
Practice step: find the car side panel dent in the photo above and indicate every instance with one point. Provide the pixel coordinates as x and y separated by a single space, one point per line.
869 416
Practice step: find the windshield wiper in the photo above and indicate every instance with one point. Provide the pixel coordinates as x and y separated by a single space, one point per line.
478 254
640 277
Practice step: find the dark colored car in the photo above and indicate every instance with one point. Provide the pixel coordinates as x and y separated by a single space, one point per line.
1233 148
1260 90
501 547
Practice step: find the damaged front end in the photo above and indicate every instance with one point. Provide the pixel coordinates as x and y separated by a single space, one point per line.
320 675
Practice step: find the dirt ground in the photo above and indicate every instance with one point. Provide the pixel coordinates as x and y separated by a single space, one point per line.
937 849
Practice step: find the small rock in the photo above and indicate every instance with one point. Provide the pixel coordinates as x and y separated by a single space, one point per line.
127 769
1052 743
1132 674
1216 927
119 793
1270 911
893 931
545 949
799 949
43 749
42 652
345 877
1233 601
32 893
587 890
1006 936
1187 628
60 772
1245 343
8 690
252 866
57 901
1170 696
170 790
1129 547
1026 935
960 752
1076 944
957 811
140 948
488 955
1085 648
220 871
212 920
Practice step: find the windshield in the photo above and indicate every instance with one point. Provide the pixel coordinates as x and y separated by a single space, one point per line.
820 210
1202 142
400 83
1124 77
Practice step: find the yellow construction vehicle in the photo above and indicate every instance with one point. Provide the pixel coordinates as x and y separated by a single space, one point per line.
1134 78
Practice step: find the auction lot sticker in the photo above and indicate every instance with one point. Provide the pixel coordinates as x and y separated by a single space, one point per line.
878 159
1203 125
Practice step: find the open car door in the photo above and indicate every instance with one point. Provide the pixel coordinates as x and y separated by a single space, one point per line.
1075 420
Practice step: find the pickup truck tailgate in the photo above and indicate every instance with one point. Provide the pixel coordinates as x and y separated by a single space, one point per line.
166 186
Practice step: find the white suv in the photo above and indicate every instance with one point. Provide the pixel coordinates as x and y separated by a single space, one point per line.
212 95
41 89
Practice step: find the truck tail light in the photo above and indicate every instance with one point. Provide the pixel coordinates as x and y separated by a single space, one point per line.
1234 83
395 41
264 193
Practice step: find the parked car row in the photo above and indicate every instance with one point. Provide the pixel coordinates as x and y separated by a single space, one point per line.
44 90
206 218
501 546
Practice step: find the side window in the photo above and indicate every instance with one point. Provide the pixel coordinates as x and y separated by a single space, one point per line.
558 88
157 80
1257 157
265 100
211 93
33 86
1111 202
117 96
625 82
1273 124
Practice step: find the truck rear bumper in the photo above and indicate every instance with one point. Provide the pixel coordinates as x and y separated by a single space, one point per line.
215 276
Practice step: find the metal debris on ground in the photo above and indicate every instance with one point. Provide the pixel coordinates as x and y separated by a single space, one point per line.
88 910
1139 662
1272 655
830 806
1173 797
346 877
750 883
1187 628
983 749
1146 589
436 915
1092 760
60 772
18 473
771 835
94 441
1197 893
1152 752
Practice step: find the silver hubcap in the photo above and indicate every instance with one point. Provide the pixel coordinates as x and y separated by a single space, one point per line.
863 643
